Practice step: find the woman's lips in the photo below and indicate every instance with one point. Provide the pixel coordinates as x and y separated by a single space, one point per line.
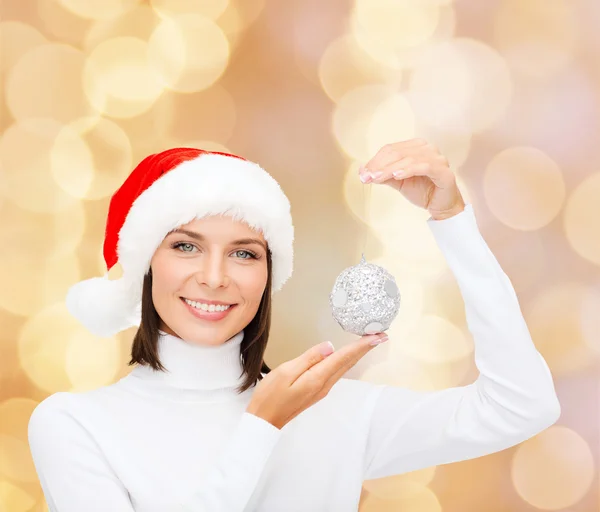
208 315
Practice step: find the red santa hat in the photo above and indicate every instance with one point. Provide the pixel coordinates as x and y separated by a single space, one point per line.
164 191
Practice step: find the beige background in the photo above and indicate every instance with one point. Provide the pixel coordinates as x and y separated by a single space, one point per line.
509 90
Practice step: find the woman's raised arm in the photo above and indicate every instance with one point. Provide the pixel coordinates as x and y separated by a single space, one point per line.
512 399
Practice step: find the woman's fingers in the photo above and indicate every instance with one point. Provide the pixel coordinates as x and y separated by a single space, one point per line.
328 371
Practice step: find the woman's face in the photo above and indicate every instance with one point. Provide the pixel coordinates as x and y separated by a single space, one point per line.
209 263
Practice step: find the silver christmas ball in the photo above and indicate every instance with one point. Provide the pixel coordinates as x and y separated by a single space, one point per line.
365 299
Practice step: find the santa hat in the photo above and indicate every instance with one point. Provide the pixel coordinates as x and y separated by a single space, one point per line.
164 191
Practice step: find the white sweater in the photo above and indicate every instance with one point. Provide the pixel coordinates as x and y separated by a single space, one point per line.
155 442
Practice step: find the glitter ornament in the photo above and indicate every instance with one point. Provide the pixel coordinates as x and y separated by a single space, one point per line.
365 299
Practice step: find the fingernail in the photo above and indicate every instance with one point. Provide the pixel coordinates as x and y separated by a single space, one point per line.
399 174
326 348
377 175
365 178
377 341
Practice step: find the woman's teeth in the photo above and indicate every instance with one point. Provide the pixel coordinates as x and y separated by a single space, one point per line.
206 307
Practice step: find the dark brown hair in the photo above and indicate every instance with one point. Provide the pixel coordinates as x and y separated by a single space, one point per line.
144 349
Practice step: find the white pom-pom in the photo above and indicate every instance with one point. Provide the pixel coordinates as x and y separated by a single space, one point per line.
103 306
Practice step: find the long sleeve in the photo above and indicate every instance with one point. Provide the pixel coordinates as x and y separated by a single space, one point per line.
513 397
73 472
75 475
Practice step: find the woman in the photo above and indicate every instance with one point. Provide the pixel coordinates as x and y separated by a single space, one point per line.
204 240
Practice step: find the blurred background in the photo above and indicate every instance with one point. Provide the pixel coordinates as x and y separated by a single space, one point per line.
509 91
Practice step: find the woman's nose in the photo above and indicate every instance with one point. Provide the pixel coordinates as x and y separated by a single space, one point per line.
213 271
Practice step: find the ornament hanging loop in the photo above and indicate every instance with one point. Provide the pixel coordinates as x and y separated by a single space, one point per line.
366 200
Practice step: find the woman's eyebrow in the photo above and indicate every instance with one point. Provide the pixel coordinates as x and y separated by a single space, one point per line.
202 238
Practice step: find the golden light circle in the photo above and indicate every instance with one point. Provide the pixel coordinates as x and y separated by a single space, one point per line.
581 216
57 66
99 9
397 24
25 158
395 486
38 253
344 66
405 372
99 162
590 319
460 84
398 57
405 229
62 23
55 235
16 39
395 33
524 188
352 114
455 145
437 340
71 162
554 469
392 120
118 79
189 53
170 8
536 37
233 24
13 497
138 22
16 462
56 352
554 320
49 277
412 496
91 362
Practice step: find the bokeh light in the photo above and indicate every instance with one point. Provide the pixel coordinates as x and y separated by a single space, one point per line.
66 357
25 159
58 67
537 38
171 8
411 496
507 91
189 53
91 158
462 84
16 39
524 188
554 319
118 79
581 219
99 9
553 470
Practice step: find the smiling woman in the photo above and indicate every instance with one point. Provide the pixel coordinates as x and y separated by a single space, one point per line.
192 229
204 241
199 266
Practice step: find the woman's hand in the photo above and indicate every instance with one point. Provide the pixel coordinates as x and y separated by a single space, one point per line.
420 173
299 383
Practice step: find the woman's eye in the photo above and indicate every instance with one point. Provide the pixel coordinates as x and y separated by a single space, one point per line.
183 244
250 254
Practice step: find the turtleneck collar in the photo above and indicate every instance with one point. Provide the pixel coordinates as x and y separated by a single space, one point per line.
194 372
